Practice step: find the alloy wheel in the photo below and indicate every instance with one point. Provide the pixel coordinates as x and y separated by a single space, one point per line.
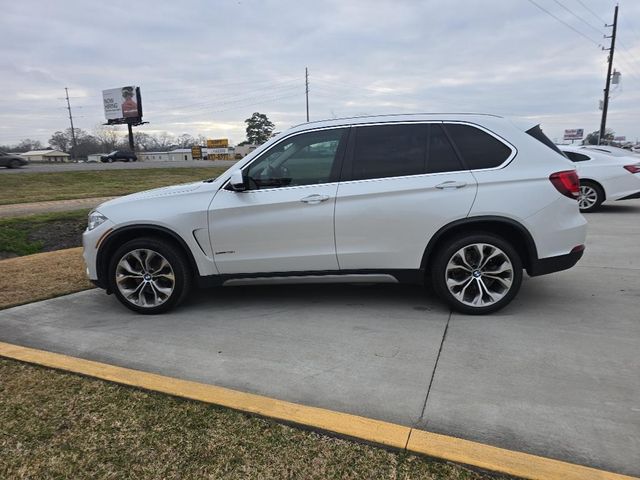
145 278
479 275
588 197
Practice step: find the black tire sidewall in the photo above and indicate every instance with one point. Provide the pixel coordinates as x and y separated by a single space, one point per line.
446 252
598 191
179 264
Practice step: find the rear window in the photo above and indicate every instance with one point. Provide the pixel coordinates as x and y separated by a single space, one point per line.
537 133
477 148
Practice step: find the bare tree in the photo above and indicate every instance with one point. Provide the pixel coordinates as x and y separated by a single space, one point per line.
185 141
163 141
107 136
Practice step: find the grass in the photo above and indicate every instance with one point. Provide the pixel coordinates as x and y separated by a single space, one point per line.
61 425
40 187
41 276
25 235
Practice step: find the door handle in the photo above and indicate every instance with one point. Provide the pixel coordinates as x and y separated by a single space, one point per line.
451 185
314 199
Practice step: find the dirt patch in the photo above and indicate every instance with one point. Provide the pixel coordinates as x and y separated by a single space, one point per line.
59 234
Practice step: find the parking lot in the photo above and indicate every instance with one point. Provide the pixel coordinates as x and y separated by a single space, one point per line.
554 374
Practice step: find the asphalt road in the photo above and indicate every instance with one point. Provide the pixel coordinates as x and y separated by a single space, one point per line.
79 167
554 374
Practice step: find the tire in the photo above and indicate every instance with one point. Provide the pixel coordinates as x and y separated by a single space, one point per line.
110 160
147 287
471 290
591 196
14 164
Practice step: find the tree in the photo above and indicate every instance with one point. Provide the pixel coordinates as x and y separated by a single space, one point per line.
163 141
107 137
27 145
259 128
592 138
60 141
186 141
143 141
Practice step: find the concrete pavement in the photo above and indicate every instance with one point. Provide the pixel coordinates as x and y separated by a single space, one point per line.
554 374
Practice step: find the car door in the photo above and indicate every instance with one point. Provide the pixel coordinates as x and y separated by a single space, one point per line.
283 221
403 183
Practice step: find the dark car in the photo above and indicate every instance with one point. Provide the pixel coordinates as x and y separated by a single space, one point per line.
11 160
119 156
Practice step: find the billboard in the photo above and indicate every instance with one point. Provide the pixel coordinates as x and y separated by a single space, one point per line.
122 105
218 143
574 134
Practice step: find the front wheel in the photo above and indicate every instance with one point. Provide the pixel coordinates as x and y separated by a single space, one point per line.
149 275
477 274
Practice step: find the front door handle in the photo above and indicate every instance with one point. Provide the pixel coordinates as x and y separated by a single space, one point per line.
315 199
451 185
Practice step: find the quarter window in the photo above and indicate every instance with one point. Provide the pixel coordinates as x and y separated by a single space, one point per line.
478 148
576 157
389 151
305 159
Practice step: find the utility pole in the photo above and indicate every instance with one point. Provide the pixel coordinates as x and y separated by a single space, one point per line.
605 103
306 85
73 132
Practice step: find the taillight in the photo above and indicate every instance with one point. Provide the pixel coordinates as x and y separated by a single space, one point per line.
633 168
567 183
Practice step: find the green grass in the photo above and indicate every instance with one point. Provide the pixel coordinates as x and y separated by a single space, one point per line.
15 231
39 187
61 425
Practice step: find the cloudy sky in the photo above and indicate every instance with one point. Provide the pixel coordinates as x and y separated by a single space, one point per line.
204 66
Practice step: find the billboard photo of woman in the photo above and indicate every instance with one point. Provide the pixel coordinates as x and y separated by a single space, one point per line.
129 105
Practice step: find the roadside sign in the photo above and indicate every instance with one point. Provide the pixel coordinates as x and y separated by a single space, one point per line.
218 143
196 153
574 134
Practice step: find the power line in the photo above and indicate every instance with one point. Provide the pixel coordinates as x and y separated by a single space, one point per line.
565 23
579 17
598 17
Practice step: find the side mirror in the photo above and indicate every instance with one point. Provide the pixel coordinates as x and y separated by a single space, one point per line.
237 181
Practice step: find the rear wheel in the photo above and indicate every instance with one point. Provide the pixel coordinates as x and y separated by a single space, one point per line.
15 164
149 275
591 196
478 273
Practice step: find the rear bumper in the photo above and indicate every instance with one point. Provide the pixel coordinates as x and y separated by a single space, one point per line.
543 266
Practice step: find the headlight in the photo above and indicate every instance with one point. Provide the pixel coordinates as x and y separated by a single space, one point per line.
95 219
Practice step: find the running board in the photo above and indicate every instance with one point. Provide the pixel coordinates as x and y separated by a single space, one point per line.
348 278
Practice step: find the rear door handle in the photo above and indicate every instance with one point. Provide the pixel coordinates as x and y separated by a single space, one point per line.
315 199
451 184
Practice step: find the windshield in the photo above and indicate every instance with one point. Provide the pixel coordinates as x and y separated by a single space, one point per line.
537 133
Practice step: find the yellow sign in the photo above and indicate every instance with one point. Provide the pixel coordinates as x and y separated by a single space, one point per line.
196 153
218 143
219 156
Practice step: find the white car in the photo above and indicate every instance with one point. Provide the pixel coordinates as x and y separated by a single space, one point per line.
604 175
467 201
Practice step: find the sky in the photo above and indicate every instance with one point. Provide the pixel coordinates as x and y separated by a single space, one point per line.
203 67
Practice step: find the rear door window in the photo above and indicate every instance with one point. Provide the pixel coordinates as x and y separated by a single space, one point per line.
478 148
389 151
442 157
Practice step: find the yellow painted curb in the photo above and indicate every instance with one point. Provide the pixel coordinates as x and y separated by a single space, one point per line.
367 429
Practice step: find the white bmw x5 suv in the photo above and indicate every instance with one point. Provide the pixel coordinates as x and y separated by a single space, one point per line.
466 201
